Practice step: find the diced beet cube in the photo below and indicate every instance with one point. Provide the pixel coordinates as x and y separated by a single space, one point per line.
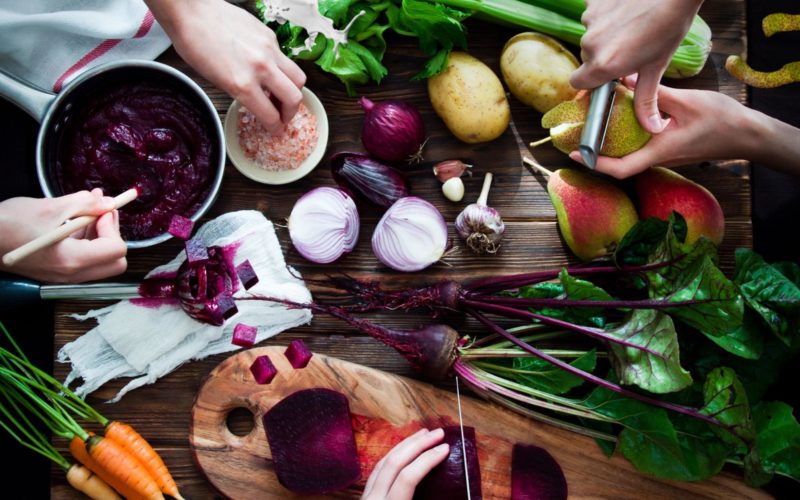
263 370
298 354
536 474
196 252
227 306
244 335
311 439
180 227
247 275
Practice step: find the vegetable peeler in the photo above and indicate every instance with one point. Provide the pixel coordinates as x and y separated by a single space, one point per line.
594 128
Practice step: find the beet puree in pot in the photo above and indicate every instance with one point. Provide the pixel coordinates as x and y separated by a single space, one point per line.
145 135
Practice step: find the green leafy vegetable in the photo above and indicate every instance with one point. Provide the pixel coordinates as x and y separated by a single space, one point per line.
542 375
778 437
658 369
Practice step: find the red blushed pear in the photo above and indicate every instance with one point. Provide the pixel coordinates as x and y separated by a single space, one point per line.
593 214
661 191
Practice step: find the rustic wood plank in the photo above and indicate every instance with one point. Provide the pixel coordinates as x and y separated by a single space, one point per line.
161 411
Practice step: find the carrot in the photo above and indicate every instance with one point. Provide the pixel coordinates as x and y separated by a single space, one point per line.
88 483
136 446
109 461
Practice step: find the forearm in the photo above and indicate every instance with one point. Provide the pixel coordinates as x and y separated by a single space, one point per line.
773 143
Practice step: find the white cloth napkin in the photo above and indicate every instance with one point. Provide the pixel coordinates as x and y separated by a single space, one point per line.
131 340
46 43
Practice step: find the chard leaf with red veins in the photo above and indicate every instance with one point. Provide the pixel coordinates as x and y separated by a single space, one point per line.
657 369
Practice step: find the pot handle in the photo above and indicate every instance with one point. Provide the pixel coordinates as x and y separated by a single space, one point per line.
32 101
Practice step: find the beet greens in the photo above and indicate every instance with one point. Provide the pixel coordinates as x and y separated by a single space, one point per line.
638 332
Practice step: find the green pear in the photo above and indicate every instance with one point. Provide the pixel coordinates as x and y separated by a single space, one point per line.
593 214
661 191
623 136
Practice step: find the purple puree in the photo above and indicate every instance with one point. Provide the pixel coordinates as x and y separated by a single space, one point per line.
145 135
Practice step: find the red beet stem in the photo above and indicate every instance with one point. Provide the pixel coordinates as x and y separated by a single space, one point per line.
683 410
555 302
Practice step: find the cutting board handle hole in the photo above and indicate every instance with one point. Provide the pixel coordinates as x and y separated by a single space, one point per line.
240 421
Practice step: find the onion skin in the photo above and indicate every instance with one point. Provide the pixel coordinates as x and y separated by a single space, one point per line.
324 225
393 130
380 184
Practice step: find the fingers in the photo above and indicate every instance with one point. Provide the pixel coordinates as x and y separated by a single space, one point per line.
645 99
390 468
83 203
621 168
589 76
292 71
285 91
408 479
267 114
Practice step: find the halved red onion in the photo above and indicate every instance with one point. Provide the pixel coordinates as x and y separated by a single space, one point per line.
324 224
410 236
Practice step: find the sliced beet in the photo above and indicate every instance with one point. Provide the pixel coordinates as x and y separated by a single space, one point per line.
244 335
298 354
263 370
247 275
196 252
180 227
312 442
447 480
535 475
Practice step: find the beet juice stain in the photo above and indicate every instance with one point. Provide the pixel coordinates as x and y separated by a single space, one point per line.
142 135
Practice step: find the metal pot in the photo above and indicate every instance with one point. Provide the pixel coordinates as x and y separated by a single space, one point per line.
53 111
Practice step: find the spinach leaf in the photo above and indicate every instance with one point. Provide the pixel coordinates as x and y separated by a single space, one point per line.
771 294
540 374
640 241
658 369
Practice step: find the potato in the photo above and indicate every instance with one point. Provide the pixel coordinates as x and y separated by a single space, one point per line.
536 69
470 99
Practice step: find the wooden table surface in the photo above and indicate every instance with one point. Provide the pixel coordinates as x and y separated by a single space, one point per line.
161 411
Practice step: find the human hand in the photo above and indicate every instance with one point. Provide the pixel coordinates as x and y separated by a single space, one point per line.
96 252
638 36
236 52
703 125
397 474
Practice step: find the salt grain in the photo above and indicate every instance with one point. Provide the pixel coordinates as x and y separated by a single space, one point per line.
282 150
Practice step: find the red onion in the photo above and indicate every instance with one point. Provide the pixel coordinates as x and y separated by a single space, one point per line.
410 236
393 130
323 224
379 183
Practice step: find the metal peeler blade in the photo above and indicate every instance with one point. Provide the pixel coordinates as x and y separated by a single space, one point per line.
596 124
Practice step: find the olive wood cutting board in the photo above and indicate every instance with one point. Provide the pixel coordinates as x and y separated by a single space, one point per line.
389 405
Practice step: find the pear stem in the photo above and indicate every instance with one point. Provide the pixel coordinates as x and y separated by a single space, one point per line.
533 164
484 197
541 141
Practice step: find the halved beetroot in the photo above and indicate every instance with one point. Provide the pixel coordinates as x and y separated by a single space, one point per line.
312 442
535 475
447 480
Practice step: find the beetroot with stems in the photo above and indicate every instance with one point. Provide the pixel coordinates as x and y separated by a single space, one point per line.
393 130
244 335
312 442
180 227
205 290
447 480
535 475
263 370
247 275
298 354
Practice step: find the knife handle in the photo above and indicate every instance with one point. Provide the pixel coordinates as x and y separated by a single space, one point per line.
16 292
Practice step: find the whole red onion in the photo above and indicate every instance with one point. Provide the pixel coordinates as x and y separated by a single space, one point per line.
393 130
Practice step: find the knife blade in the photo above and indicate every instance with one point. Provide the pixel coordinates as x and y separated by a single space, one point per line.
463 444
597 117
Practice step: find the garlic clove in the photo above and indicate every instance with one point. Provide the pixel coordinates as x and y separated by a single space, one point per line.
453 189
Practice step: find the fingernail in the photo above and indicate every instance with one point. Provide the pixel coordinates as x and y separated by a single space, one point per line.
442 447
576 156
656 124
438 432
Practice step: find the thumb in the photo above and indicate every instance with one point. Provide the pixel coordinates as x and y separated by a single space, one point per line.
588 76
83 203
645 99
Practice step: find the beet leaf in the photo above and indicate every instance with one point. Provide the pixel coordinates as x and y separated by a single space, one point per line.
658 373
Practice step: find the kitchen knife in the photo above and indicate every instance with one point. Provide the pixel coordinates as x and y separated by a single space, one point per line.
463 443
594 128
17 292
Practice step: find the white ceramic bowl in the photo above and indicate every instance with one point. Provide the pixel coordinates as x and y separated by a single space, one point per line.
247 167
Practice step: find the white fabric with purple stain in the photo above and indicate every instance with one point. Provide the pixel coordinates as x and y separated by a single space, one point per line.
148 342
